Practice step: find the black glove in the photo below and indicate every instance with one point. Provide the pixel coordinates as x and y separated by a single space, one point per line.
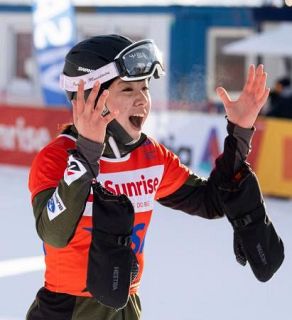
241 195
112 264
255 238
239 250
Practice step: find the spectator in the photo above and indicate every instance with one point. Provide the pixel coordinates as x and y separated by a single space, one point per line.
281 99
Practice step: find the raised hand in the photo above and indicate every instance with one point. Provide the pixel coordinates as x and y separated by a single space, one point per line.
244 111
87 116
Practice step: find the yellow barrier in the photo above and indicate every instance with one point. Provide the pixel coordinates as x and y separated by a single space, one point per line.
274 157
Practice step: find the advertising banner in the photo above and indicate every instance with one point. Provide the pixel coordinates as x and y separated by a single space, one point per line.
273 163
24 131
196 138
54 33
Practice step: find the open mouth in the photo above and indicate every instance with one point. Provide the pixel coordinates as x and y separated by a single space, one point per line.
136 121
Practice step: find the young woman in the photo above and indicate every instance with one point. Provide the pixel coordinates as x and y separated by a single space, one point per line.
94 186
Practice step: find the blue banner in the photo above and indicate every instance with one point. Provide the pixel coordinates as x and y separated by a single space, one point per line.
54 33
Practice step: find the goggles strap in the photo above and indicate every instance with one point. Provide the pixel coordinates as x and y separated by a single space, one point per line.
102 74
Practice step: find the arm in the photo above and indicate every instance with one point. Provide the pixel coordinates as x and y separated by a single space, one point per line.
58 211
255 239
198 196
232 188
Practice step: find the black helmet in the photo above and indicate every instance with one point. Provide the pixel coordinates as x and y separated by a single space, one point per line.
105 58
92 54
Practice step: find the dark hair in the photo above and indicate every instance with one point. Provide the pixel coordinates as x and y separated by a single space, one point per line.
285 82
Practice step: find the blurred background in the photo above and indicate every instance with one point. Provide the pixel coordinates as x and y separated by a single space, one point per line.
191 273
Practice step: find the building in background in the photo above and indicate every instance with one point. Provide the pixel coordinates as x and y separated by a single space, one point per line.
191 37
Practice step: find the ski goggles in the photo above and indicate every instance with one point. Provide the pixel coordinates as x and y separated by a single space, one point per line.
140 60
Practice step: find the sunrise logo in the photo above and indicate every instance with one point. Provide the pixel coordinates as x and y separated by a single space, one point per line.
133 188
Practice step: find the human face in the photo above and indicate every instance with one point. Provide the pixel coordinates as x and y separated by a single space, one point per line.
133 101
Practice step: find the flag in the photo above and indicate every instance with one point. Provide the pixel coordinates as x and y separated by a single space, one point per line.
54 33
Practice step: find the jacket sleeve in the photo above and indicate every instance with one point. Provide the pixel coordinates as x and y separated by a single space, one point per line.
199 196
58 210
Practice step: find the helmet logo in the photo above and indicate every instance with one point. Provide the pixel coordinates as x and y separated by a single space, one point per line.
85 69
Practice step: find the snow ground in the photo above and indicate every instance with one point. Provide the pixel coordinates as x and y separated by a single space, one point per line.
190 271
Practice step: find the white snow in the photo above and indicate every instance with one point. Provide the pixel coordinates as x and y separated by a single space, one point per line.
18 266
190 271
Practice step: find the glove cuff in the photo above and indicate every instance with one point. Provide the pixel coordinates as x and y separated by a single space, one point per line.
249 218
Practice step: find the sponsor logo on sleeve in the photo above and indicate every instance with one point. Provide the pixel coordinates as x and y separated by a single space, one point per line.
74 171
55 206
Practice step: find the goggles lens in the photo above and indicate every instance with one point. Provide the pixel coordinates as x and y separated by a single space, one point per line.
140 60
